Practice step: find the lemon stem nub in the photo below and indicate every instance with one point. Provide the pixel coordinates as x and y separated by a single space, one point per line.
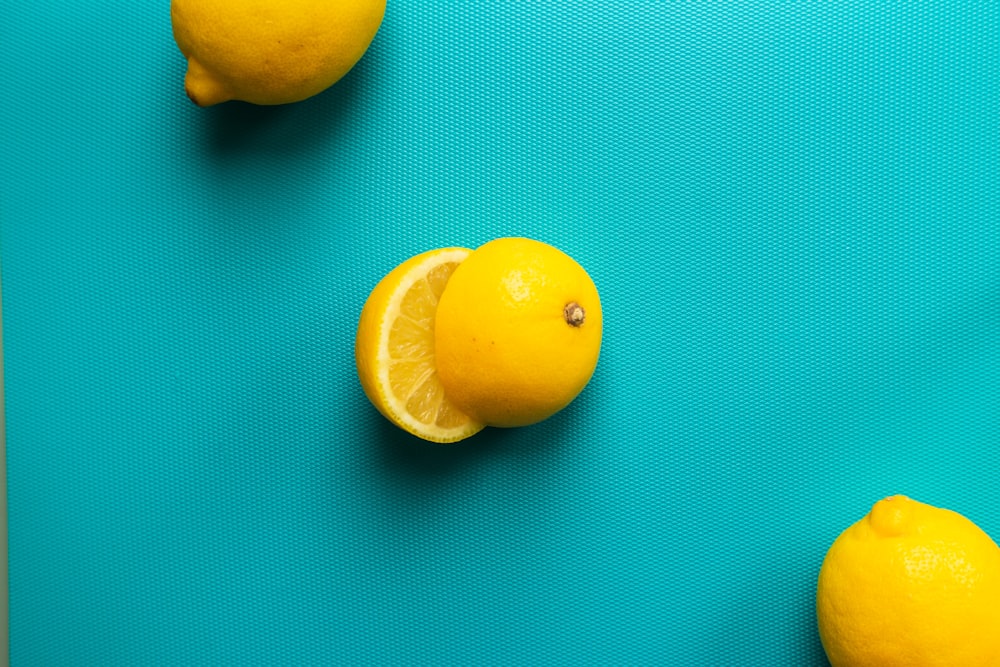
574 314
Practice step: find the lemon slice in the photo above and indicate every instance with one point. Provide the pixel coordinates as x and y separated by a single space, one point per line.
394 349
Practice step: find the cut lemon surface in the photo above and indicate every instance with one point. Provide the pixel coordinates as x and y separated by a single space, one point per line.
394 349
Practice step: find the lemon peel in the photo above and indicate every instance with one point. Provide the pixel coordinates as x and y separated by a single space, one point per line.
910 585
518 332
267 52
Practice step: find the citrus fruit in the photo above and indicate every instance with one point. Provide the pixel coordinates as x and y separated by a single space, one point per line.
394 348
518 332
910 584
269 52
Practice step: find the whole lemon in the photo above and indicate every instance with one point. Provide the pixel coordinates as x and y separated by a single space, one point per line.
910 585
517 332
270 51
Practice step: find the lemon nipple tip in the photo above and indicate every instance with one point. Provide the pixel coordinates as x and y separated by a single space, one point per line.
890 516
202 87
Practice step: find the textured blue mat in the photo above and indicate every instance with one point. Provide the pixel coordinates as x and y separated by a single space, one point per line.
792 212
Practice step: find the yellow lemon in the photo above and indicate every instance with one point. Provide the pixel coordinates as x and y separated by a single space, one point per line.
910 585
518 332
270 51
394 348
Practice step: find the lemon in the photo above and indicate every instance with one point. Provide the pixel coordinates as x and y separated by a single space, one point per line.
270 52
910 585
518 332
394 348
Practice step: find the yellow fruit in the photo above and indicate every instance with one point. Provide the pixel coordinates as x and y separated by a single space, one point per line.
394 348
518 332
270 51
910 585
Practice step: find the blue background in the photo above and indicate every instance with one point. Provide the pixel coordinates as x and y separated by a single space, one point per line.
792 213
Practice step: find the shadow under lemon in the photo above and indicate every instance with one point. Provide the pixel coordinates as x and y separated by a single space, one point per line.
402 455
299 129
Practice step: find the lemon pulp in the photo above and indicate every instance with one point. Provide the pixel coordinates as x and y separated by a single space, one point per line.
394 349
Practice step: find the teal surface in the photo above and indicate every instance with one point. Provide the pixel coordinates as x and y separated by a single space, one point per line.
792 213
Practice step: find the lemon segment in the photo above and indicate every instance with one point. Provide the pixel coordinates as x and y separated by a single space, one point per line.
395 354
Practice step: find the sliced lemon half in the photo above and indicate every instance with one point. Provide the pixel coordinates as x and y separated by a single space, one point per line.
394 349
